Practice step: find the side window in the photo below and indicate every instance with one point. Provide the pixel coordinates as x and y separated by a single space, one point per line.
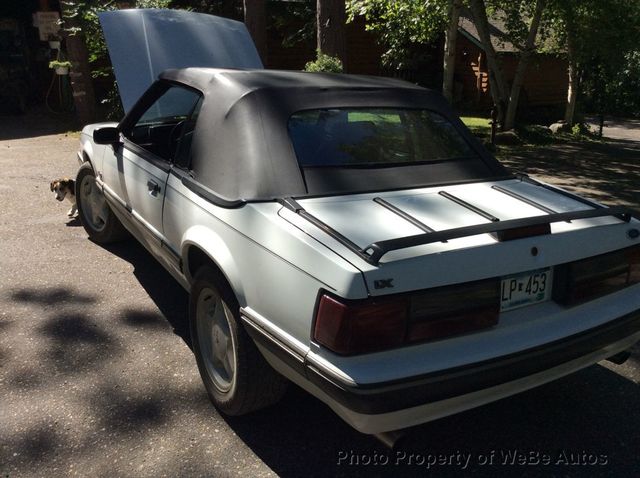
159 128
183 149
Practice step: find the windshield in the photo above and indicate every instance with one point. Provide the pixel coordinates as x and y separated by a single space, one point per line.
374 137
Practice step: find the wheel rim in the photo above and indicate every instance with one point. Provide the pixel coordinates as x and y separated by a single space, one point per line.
94 207
216 342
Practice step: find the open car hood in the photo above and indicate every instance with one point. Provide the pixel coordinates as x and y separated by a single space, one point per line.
143 43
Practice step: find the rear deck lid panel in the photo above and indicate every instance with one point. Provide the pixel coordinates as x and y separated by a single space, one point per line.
364 221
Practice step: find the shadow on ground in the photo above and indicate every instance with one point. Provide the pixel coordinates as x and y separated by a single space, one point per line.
72 353
608 172
581 422
37 122
171 299
574 421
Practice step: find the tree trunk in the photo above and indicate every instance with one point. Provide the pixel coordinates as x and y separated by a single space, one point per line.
572 92
255 18
523 63
80 74
331 18
497 83
450 49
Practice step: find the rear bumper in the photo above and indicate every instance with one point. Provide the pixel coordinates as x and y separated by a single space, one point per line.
434 387
385 406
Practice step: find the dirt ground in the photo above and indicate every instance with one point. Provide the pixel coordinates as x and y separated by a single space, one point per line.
97 377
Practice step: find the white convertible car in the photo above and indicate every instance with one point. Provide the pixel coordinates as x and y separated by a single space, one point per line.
350 235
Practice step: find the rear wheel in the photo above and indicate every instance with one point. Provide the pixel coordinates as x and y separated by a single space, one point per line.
236 376
95 214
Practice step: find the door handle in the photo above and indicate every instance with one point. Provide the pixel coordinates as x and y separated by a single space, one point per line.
154 189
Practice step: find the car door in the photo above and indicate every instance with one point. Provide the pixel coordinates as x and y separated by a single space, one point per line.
150 142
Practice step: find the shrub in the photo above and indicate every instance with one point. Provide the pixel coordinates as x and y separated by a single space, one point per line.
324 63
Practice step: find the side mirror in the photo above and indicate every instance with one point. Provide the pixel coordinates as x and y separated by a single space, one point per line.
106 135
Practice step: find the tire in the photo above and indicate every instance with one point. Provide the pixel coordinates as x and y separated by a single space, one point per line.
96 216
237 378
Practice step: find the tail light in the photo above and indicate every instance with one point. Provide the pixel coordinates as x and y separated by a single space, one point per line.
359 327
588 279
454 310
354 327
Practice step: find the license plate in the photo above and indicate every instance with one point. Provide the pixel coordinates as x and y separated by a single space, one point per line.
525 289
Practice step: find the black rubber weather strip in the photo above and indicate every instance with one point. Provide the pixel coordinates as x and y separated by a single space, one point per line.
468 206
404 215
523 199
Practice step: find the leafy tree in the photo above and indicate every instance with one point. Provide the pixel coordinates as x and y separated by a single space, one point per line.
80 18
295 21
621 92
599 38
83 94
402 25
520 29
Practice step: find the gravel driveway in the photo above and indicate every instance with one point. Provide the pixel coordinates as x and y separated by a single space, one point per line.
97 377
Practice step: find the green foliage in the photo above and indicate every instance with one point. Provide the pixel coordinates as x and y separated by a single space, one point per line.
59 64
224 8
401 25
295 22
603 35
324 63
581 131
87 11
622 89
516 17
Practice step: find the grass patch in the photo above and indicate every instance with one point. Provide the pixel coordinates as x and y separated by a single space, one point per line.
478 126
531 134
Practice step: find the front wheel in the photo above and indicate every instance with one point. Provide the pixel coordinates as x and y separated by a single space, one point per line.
237 378
95 214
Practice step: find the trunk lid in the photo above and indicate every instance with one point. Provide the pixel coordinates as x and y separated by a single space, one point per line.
365 219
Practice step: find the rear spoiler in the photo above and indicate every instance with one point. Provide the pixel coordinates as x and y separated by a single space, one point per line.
502 230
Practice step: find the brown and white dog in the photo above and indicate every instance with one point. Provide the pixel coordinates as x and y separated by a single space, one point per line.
65 188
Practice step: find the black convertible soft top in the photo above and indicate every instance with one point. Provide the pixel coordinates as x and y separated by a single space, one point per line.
241 147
